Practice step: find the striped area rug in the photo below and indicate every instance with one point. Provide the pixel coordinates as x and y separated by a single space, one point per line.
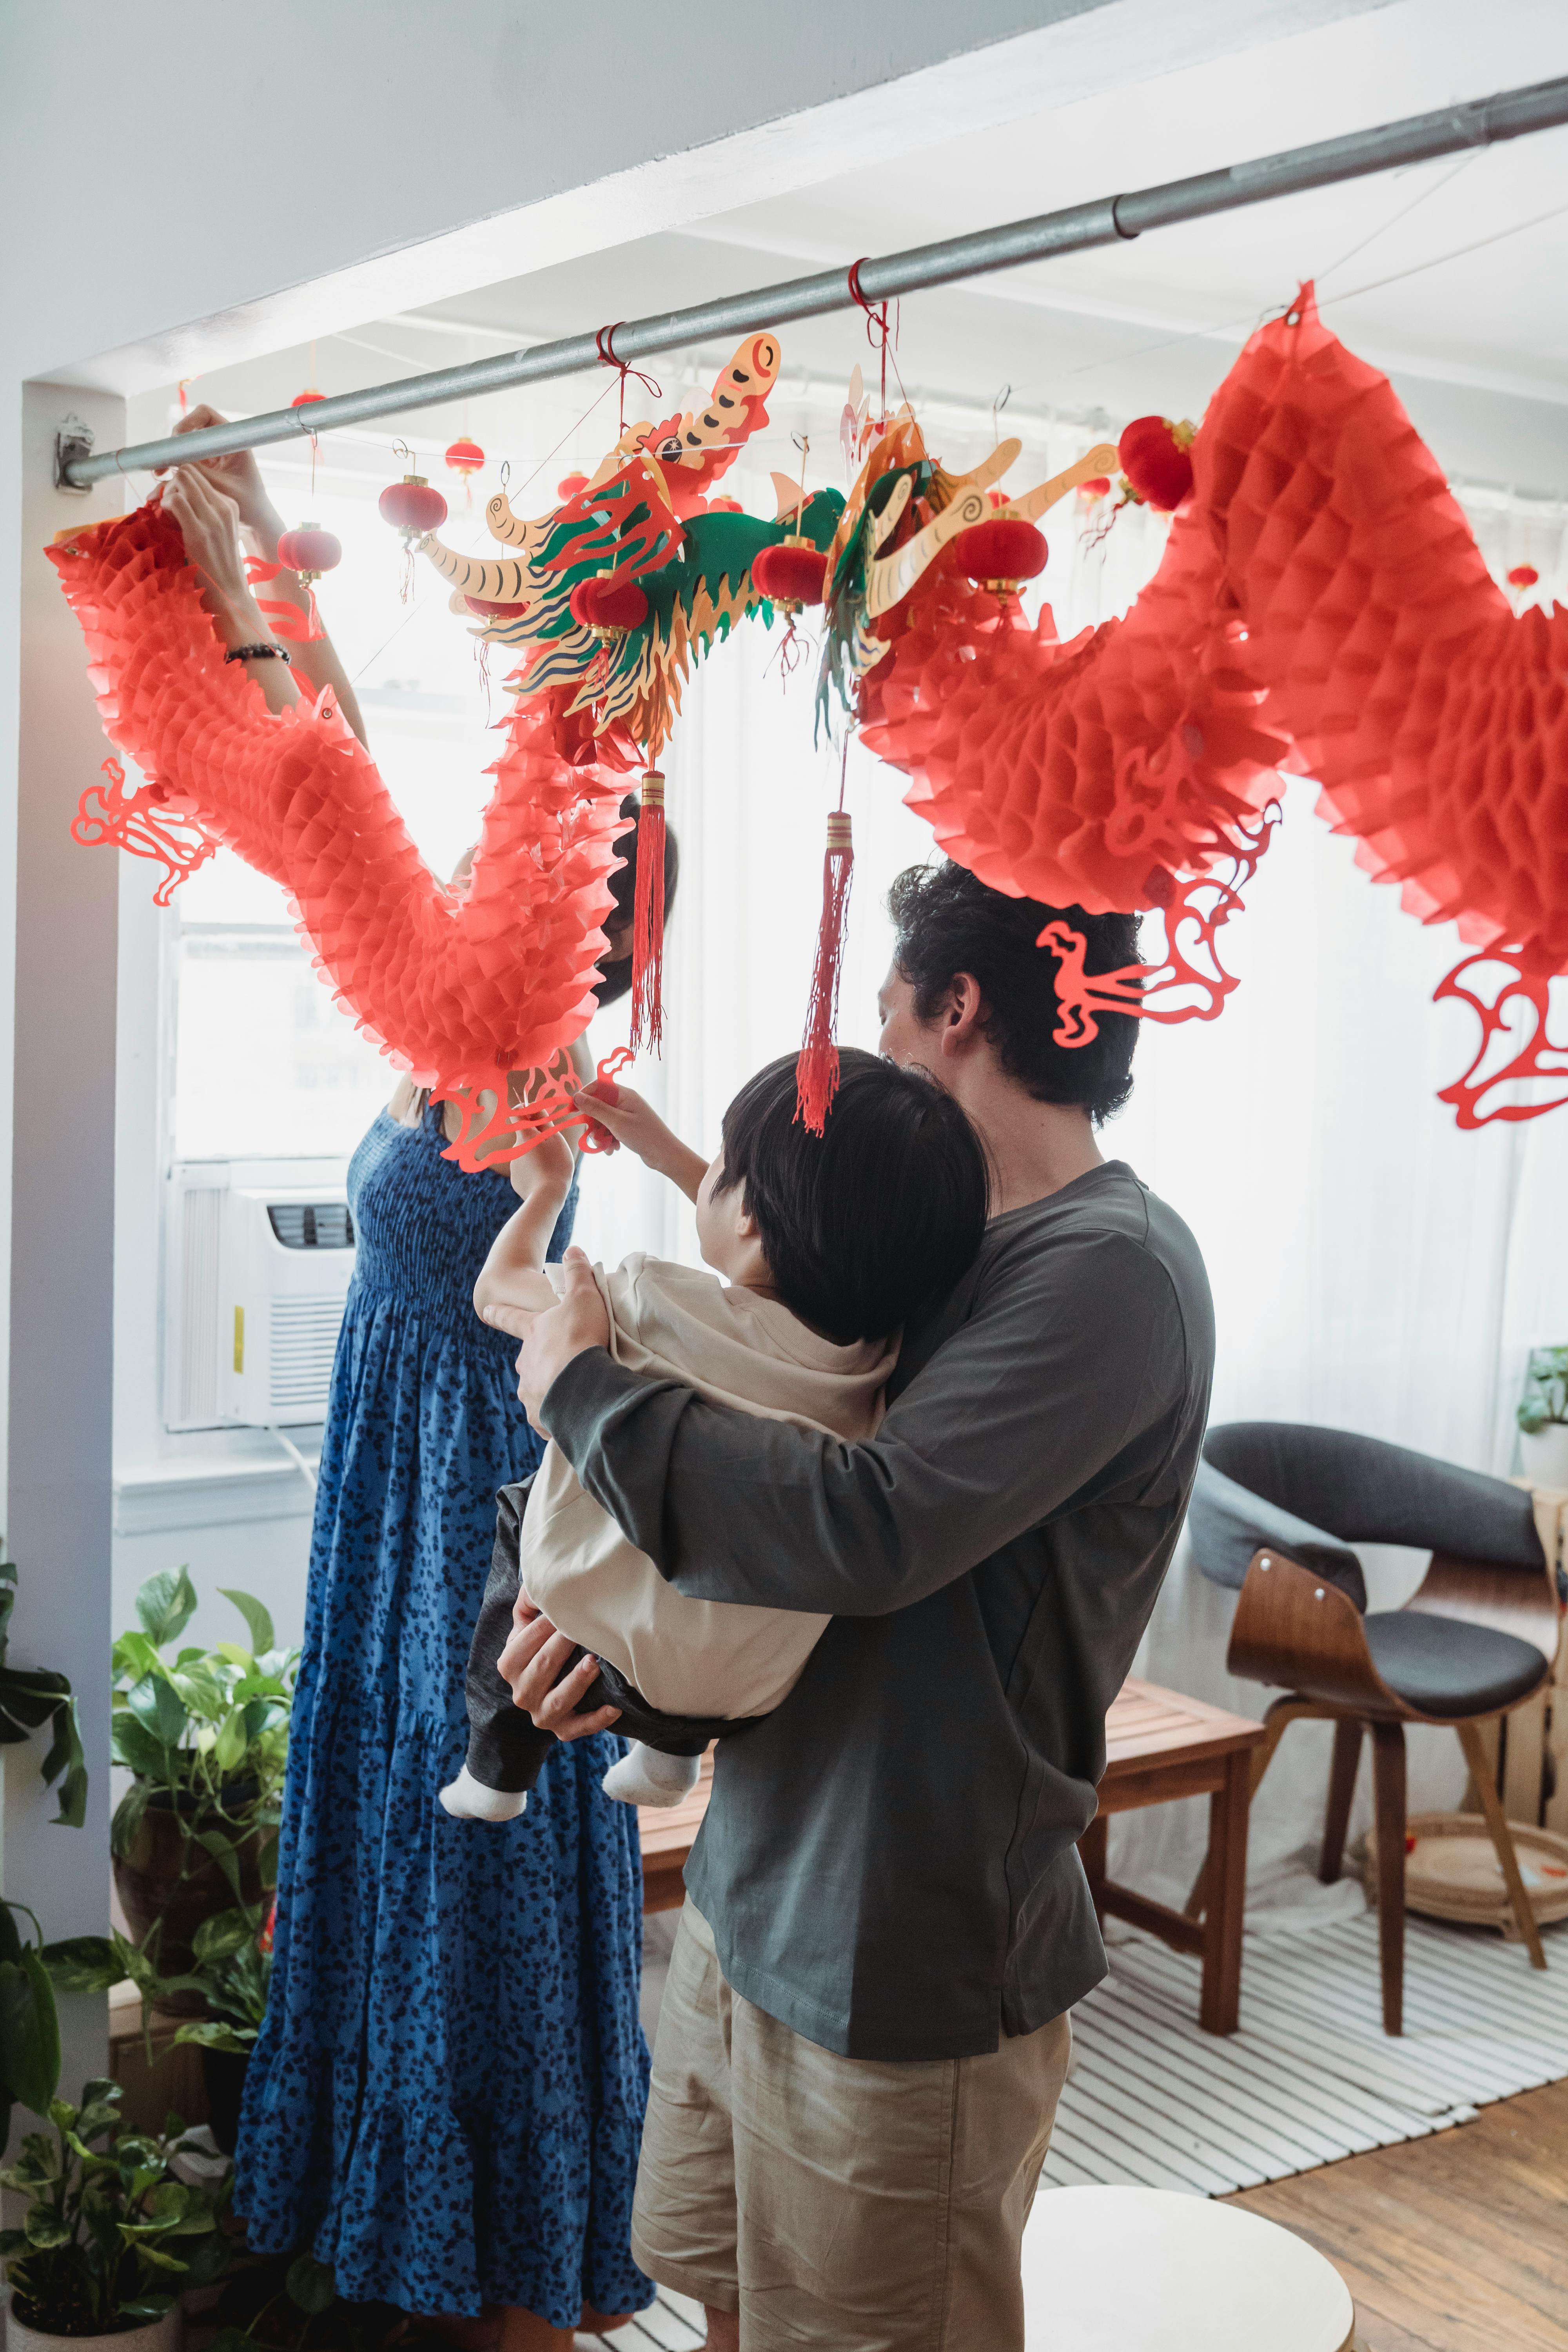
1311 2076
673 2323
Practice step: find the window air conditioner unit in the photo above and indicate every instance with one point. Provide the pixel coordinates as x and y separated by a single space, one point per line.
258 1275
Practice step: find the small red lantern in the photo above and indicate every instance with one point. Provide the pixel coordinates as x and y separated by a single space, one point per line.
570 483
309 551
611 608
1097 487
1524 575
725 506
412 507
302 398
1001 552
466 458
1156 460
790 573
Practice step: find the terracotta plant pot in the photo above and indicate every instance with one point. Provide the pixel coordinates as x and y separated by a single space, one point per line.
148 1884
145 2336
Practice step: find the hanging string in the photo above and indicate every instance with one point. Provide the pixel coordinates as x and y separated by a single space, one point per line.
604 344
877 330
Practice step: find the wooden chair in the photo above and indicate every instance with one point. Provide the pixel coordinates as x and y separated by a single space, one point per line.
1275 1511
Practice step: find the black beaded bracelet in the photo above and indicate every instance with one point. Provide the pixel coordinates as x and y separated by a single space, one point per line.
267 652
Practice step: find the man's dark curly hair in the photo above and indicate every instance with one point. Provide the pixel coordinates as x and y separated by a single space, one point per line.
947 922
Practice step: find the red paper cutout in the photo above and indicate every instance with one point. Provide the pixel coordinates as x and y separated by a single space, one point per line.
145 823
1524 985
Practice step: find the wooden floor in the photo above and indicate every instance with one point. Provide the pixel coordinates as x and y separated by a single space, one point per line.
1456 2243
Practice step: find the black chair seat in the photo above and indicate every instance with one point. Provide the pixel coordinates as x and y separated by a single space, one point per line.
1448 1667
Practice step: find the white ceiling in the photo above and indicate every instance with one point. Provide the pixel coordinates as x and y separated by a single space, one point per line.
1477 343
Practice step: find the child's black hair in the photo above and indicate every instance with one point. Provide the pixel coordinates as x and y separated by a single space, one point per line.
861 1224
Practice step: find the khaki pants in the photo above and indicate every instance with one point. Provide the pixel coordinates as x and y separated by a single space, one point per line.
841 2202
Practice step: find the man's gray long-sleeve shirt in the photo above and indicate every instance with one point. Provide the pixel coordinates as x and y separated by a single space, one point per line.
888 1862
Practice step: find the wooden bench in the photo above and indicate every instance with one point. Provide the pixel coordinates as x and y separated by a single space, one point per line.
1159 1746
669 1833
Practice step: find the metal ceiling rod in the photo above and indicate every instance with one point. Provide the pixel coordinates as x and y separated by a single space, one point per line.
1509 115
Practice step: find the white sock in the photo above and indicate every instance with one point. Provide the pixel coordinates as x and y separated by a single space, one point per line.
645 1776
469 1799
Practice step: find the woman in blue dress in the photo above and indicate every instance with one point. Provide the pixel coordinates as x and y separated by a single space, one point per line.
447 2096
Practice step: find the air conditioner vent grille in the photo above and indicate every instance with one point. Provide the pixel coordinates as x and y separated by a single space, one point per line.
304 1334
311 1225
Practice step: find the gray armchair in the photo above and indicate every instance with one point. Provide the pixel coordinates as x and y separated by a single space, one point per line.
1276 1511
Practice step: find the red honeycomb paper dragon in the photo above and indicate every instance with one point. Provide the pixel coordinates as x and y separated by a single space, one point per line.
1322 607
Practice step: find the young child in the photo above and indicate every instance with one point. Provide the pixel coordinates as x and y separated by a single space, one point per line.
827 1245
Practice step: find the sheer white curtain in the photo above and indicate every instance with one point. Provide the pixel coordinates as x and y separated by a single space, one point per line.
1374 1268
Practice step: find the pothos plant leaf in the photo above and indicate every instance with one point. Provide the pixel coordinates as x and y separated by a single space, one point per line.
29 2030
166 1604
258 1622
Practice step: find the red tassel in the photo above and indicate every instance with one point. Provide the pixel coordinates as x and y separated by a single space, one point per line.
647 920
816 1073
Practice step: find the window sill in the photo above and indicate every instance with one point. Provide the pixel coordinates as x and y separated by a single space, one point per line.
205 1494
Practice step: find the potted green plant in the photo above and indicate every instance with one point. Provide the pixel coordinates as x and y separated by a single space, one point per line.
205 1736
1543 1418
112 2236
32 1695
232 1967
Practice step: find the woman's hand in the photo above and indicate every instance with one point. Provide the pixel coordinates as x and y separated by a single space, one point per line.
238 476
531 1661
209 524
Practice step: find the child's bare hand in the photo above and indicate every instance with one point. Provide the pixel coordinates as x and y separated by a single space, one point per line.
634 1122
547 1169
626 1116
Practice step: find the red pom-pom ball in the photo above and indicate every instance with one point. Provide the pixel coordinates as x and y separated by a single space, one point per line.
309 550
1156 464
1524 575
412 505
790 575
609 606
1006 549
570 483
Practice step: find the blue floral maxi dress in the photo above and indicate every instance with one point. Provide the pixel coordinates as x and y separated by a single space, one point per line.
446 2096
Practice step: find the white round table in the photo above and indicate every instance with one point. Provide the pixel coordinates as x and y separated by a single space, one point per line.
1148 2270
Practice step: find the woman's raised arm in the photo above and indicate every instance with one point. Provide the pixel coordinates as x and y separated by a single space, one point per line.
238 476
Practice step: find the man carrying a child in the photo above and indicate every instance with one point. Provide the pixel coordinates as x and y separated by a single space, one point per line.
864 2027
